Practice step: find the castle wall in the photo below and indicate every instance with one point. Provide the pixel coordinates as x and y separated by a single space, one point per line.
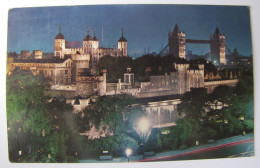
145 86
174 83
89 85
63 72
37 54
25 54
143 94
84 89
59 73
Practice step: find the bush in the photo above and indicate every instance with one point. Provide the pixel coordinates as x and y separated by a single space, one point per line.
248 125
116 145
209 133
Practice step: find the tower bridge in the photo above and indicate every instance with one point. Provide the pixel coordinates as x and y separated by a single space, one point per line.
198 41
177 45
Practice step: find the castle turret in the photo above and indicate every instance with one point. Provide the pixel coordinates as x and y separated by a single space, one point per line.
87 43
95 42
59 44
122 45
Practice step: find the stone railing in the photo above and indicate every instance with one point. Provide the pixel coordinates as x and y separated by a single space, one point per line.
64 87
221 82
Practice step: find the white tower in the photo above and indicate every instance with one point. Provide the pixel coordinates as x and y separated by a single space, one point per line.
59 45
122 45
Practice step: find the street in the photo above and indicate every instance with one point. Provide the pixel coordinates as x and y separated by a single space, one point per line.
243 148
237 146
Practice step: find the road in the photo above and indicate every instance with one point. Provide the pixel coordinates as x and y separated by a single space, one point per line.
237 146
243 148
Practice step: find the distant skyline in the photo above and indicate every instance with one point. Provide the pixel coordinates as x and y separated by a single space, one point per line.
145 26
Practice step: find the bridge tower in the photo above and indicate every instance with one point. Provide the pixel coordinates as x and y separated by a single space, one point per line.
177 42
218 48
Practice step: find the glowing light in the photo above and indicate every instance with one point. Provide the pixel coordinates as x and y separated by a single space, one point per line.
242 118
128 152
144 125
165 132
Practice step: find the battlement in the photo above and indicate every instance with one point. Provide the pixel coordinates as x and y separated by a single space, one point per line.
201 66
83 57
90 78
194 71
181 67
80 49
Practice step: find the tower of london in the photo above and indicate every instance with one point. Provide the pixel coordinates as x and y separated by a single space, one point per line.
87 55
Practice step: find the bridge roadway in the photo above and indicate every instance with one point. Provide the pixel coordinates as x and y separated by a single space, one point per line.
197 41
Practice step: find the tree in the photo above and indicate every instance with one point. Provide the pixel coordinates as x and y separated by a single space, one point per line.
116 145
244 90
189 130
111 113
38 126
194 103
26 117
115 66
64 131
220 99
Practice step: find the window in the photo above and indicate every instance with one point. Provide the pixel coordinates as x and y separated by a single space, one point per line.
95 85
66 72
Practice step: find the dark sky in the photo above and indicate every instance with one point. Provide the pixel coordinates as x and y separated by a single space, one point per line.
144 26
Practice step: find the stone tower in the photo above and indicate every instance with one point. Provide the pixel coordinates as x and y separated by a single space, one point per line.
177 42
59 45
122 45
95 46
218 48
87 43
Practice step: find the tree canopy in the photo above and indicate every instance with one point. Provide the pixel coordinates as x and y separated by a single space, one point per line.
112 113
194 103
225 112
37 125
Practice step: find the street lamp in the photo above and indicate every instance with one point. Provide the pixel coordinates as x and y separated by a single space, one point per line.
128 152
242 119
144 131
19 155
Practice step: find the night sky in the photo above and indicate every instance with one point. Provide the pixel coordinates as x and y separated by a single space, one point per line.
145 26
